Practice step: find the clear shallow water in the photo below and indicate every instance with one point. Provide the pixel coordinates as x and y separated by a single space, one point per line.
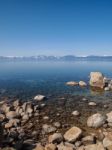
26 79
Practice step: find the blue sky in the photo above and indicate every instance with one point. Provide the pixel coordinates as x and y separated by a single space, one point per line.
55 27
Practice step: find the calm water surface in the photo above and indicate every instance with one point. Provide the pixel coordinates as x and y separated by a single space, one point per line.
26 79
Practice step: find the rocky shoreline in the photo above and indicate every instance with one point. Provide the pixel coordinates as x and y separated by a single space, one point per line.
52 124
65 122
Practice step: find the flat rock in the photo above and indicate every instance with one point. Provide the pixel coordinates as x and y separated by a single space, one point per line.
98 146
72 83
73 134
39 97
92 104
96 120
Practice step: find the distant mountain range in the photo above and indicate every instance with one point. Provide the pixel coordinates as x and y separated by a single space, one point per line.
56 58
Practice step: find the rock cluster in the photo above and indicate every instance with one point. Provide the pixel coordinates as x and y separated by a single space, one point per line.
16 119
97 80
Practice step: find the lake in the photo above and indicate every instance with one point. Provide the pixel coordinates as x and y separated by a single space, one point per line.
26 79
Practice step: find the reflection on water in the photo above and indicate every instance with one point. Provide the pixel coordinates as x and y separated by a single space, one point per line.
25 79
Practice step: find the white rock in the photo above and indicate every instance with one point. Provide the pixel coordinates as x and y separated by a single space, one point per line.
46 118
73 134
82 83
39 97
96 120
106 88
75 113
72 83
92 104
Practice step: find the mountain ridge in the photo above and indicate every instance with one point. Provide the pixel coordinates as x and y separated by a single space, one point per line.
57 58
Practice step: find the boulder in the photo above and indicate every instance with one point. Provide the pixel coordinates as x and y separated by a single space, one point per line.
39 97
97 80
73 134
82 83
96 120
72 83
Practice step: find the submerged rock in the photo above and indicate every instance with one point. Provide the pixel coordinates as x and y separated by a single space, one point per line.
96 120
72 83
48 128
73 134
75 113
92 104
39 97
82 83
55 138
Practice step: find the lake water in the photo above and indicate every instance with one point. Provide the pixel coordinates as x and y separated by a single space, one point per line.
27 79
